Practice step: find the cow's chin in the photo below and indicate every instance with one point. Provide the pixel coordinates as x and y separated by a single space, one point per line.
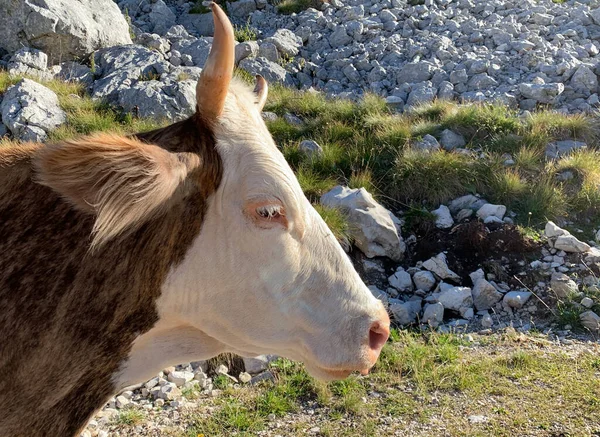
325 374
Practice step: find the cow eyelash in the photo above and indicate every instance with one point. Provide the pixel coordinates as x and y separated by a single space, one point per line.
270 212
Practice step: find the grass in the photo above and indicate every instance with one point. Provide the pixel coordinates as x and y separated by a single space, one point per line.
129 417
245 33
366 145
337 221
424 384
288 7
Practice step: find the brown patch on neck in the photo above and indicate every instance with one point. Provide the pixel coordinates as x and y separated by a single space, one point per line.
68 317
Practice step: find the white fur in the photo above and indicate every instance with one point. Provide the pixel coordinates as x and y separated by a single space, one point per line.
251 290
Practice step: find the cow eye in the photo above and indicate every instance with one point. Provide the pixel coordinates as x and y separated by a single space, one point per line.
269 212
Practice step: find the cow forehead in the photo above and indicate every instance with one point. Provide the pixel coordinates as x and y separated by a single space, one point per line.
246 145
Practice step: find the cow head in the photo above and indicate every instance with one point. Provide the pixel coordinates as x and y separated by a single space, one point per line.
266 275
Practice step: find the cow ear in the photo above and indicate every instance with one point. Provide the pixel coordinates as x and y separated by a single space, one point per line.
122 181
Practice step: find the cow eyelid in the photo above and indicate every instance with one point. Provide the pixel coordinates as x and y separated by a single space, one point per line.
269 211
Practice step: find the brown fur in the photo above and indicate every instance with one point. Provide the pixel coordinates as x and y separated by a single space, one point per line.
68 316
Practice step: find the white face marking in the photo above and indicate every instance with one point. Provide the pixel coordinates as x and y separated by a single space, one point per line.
265 275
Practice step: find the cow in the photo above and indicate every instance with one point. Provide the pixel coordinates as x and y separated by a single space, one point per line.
122 255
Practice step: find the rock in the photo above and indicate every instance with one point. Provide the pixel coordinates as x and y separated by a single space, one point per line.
443 217
311 148
570 244
264 376
421 93
401 280
179 378
248 49
586 302
28 61
559 149
489 210
169 392
516 299
202 23
160 101
380 294
545 93
456 298
463 202
257 364
584 78
161 17
451 140
486 321
74 72
406 313
30 111
271 71
241 8
562 285
415 72
268 51
424 280
122 401
464 214
287 42
222 369
485 295
63 29
551 230
339 37
428 144
245 377
433 315
372 227
590 320
439 266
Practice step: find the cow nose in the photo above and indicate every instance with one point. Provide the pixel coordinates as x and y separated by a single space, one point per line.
378 335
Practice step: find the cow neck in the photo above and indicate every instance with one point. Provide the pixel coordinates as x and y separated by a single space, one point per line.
68 317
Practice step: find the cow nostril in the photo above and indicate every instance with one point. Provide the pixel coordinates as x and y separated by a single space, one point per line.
378 335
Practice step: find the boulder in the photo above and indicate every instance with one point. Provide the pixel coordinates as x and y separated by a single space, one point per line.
287 42
428 144
160 101
30 62
424 280
30 111
271 71
456 298
562 148
543 93
439 266
63 29
405 313
562 285
372 227
489 210
590 320
161 17
248 49
451 140
485 295
552 230
569 243
257 364
311 148
443 217
433 315
516 299
401 280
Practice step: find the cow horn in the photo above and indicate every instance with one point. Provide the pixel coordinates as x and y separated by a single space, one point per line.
213 85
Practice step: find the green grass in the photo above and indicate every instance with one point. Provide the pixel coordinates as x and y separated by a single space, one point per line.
366 145
424 384
337 221
288 7
129 417
245 33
